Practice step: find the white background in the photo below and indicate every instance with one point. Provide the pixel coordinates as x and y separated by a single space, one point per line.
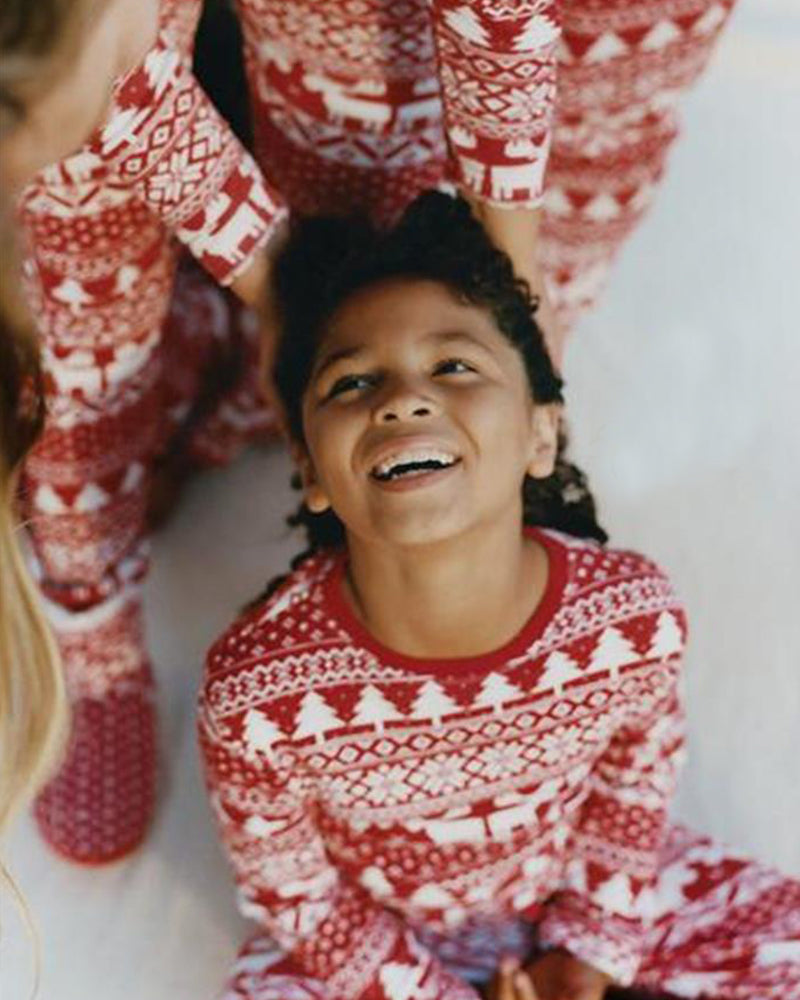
685 399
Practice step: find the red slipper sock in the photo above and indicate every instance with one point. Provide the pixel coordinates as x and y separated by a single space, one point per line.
99 805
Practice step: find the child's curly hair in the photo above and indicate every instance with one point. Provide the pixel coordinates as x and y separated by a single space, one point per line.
326 260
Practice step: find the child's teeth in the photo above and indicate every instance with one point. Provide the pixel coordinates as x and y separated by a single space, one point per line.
414 458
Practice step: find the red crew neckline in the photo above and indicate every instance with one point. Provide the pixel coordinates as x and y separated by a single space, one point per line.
516 646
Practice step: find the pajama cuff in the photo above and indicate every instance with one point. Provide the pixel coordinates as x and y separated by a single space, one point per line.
166 141
238 220
502 186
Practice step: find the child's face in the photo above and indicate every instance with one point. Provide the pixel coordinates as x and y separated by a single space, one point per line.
418 418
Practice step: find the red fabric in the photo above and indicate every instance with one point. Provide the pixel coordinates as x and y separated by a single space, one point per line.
99 805
357 103
123 371
391 822
569 104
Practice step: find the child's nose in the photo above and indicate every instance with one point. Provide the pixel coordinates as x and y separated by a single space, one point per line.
405 401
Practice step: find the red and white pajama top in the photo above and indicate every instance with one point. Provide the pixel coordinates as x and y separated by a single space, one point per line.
381 812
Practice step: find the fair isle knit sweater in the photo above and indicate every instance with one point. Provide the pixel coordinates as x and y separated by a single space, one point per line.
395 824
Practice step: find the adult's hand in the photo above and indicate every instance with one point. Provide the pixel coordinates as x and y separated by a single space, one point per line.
516 232
254 287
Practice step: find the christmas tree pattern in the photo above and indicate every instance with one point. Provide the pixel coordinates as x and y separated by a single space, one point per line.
315 717
667 639
447 790
612 652
496 690
374 709
260 733
433 703
560 669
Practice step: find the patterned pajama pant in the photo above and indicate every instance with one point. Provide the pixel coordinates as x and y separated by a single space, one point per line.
623 65
723 928
125 346
129 380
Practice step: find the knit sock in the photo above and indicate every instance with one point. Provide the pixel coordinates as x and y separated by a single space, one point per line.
99 805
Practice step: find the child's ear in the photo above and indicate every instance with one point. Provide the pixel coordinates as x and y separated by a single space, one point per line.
316 499
545 421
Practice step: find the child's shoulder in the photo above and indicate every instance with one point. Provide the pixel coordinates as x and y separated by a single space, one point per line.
617 602
291 618
591 568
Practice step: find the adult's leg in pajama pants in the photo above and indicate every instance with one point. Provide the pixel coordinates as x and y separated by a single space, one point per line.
121 370
99 271
622 70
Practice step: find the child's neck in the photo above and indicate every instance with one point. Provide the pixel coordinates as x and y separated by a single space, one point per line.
462 597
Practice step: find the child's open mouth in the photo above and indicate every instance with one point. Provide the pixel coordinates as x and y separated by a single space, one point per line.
413 464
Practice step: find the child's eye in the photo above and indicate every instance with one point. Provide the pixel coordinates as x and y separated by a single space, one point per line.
453 366
349 383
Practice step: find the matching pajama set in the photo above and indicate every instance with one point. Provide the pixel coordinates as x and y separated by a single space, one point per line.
357 104
396 825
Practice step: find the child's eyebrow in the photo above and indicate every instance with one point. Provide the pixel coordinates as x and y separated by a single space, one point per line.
343 354
459 336
439 336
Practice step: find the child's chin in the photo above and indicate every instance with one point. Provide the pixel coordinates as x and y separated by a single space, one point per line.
422 529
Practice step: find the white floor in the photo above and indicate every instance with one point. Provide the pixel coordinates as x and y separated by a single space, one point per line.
686 410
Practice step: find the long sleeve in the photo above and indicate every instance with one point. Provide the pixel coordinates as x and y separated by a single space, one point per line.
165 139
600 912
328 925
497 70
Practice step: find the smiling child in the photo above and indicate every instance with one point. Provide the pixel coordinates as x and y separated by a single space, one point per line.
443 748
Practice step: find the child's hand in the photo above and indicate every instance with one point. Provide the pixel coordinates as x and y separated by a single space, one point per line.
555 976
511 983
560 976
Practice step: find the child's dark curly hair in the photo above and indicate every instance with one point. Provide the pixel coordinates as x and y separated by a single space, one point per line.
326 260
